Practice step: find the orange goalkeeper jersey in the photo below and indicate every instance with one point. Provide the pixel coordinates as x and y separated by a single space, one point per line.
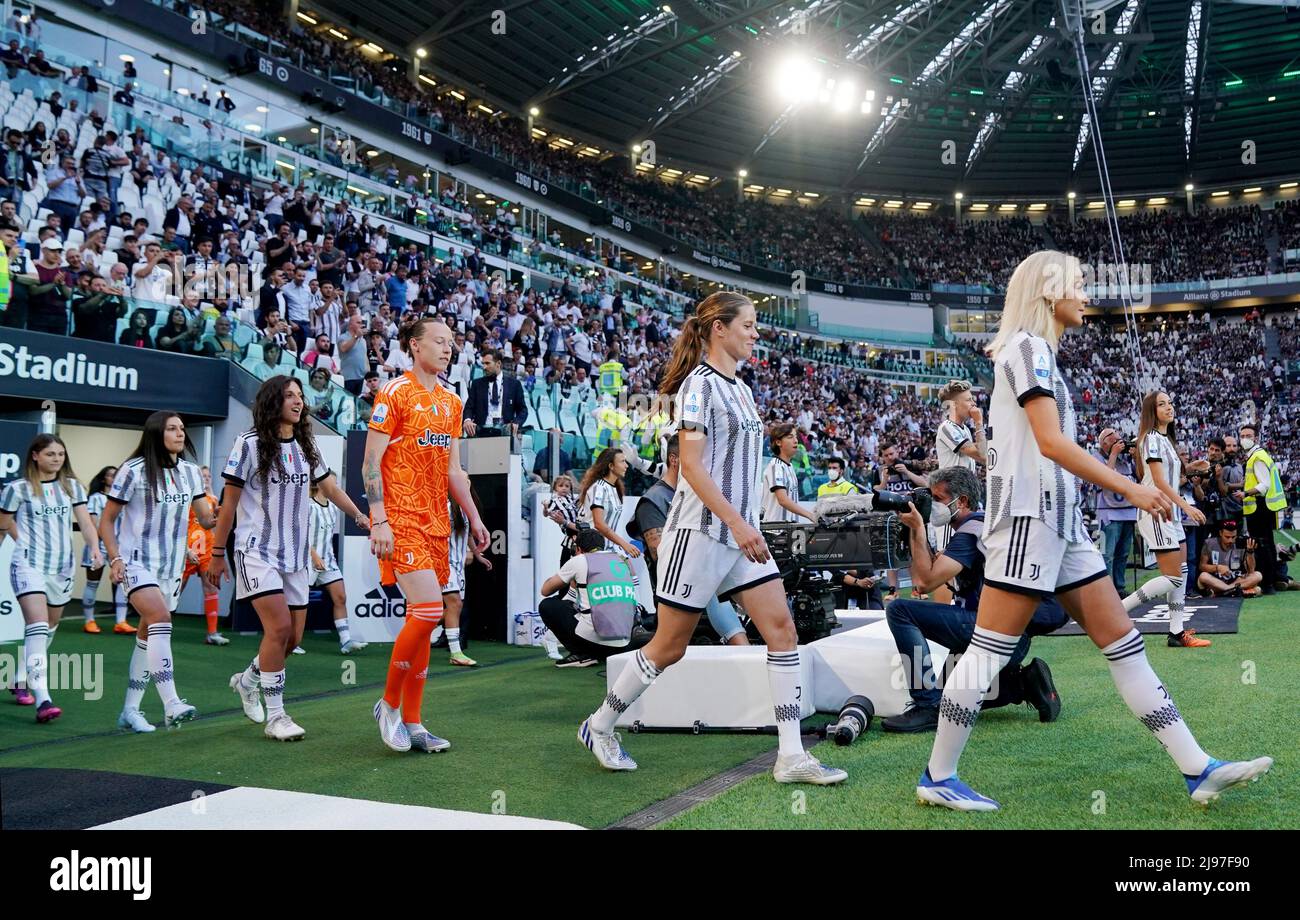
421 425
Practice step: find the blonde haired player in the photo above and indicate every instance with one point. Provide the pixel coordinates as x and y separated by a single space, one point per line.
411 466
1036 544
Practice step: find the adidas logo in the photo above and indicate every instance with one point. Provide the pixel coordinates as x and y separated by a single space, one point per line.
378 604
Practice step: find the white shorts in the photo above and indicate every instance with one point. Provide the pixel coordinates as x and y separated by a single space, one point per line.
137 577
323 577
1162 537
56 587
1026 556
455 570
256 578
693 568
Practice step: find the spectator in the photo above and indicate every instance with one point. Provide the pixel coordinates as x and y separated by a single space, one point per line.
496 403
47 303
320 395
17 169
154 275
297 297
322 355
180 218
136 334
277 332
13 59
270 365
180 334
65 191
97 309
395 289
220 343
352 355
369 393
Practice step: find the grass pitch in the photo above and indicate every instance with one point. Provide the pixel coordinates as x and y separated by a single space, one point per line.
513 722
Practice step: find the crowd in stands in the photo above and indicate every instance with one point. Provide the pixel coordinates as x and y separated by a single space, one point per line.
937 250
1215 369
1214 243
884 249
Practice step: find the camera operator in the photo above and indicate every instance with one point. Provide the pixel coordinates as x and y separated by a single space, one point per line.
1209 483
1115 513
1230 479
647 525
900 478
956 493
1227 570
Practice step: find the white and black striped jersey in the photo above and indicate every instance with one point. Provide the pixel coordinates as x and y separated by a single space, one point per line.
948 442
95 507
45 520
603 495
323 521
778 475
723 409
1157 447
274 515
1020 481
155 520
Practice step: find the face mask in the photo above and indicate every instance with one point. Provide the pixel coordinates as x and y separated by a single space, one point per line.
941 515
833 475
1247 444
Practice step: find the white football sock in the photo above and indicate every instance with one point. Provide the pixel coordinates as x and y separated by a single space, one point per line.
161 664
36 638
1178 603
630 685
88 599
119 604
341 627
273 692
453 640
252 676
1156 587
783 679
963 692
1148 699
137 678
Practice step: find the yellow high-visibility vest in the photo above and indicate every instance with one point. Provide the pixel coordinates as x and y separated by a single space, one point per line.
1275 497
843 487
611 378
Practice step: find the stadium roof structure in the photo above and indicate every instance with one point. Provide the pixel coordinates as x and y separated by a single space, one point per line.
929 96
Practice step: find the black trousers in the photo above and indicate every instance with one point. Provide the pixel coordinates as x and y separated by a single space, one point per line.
1260 524
561 618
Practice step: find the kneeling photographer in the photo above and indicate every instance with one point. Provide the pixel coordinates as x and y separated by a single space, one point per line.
595 616
956 493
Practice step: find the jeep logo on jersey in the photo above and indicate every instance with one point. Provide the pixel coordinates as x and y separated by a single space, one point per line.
291 479
378 604
429 439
